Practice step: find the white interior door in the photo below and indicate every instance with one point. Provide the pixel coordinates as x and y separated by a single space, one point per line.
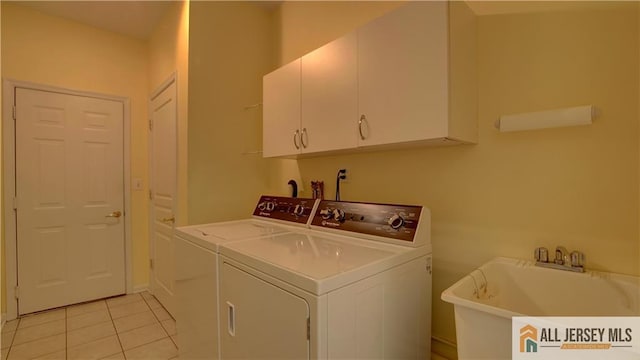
163 189
69 199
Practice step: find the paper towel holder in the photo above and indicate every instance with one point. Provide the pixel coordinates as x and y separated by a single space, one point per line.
573 116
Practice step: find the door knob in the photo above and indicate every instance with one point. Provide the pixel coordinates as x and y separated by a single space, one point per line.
115 214
169 220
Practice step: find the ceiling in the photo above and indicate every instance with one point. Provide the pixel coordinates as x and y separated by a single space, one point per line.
137 18
481 7
132 18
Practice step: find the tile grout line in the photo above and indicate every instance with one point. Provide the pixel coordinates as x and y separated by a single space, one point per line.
114 329
12 338
36 314
87 313
158 321
149 343
156 316
104 322
112 321
34 340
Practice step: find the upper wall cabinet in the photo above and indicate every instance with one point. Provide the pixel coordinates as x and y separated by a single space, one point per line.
406 78
281 132
405 71
325 81
330 96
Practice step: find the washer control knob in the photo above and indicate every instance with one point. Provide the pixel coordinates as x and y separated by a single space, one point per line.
396 221
326 213
298 210
338 215
270 206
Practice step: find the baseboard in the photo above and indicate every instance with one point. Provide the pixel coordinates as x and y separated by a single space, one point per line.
140 288
443 349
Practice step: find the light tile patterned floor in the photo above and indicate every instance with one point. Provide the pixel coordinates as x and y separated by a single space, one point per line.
127 327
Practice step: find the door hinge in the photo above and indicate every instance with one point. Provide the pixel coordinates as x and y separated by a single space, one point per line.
429 267
150 194
15 203
151 263
308 328
16 292
150 124
14 113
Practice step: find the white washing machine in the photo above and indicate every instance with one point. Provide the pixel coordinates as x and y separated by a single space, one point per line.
358 285
197 263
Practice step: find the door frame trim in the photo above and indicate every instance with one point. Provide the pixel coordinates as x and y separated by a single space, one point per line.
9 179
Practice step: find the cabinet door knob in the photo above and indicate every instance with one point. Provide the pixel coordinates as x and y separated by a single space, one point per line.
363 119
115 214
168 220
304 136
295 139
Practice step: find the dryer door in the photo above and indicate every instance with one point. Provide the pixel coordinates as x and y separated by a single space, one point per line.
260 320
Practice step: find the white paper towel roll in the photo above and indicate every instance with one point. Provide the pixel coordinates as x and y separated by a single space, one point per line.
579 115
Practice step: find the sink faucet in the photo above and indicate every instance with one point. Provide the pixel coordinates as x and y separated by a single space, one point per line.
564 260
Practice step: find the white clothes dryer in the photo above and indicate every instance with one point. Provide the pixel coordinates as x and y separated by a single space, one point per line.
196 254
358 285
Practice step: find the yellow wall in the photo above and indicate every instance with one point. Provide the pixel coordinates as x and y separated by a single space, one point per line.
306 25
49 50
511 192
230 49
168 54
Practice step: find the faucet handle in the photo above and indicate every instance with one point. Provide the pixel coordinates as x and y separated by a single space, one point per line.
562 256
577 259
541 254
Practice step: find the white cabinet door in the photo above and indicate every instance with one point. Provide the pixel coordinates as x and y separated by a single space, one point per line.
281 111
329 96
403 75
260 320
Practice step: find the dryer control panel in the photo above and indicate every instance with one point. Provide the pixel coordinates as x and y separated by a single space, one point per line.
395 222
288 209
